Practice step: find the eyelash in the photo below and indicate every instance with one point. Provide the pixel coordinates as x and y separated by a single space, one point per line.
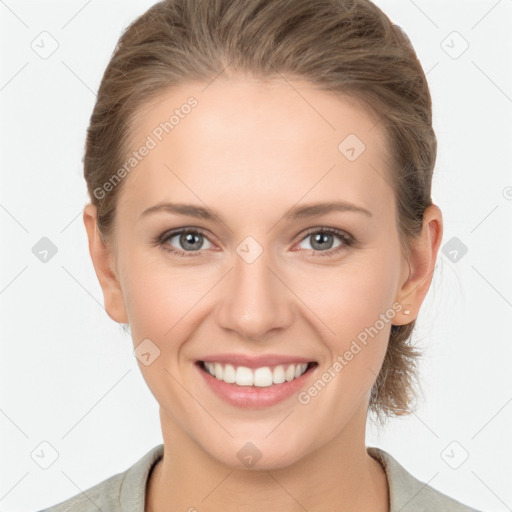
348 241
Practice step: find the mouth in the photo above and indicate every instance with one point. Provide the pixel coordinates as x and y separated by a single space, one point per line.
256 376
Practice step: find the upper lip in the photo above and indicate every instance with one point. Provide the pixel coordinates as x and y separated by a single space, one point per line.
254 361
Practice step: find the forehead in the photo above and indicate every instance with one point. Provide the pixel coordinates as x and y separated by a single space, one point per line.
272 141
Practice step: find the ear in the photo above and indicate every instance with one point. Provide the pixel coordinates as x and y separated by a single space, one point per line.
418 272
103 259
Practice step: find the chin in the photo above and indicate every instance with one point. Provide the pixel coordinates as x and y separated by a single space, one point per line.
259 455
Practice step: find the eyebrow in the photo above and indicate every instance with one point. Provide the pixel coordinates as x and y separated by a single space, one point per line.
298 212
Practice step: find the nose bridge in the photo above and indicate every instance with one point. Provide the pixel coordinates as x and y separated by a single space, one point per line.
255 301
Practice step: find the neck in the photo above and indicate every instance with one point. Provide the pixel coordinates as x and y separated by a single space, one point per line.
340 472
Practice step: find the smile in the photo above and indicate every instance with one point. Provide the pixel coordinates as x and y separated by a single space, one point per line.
264 376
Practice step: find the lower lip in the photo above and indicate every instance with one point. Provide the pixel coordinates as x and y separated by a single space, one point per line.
254 397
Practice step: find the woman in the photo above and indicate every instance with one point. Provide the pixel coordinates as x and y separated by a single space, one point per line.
261 218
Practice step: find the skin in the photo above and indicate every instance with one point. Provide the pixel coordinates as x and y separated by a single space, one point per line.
251 150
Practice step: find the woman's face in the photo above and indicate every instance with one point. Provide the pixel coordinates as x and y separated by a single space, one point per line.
254 162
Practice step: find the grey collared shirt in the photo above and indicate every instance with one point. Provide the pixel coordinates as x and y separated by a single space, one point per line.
126 491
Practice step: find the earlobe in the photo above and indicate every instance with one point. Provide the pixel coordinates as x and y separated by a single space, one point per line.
103 260
424 250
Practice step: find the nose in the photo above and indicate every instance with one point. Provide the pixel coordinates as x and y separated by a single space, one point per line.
256 300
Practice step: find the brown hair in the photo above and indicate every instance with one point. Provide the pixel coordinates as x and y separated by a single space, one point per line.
344 46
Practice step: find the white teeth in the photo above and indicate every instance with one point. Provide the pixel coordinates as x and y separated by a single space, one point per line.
218 370
278 375
244 376
229 374
263 377
259 377
290 373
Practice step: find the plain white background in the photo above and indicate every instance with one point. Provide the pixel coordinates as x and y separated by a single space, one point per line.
69 379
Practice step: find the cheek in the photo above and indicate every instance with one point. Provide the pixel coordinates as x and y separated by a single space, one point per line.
157 288
162 307
150 309
352 297
355 302
158 295
166 306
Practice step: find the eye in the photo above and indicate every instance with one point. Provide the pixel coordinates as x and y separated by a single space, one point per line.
187 242
190 242
322 242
